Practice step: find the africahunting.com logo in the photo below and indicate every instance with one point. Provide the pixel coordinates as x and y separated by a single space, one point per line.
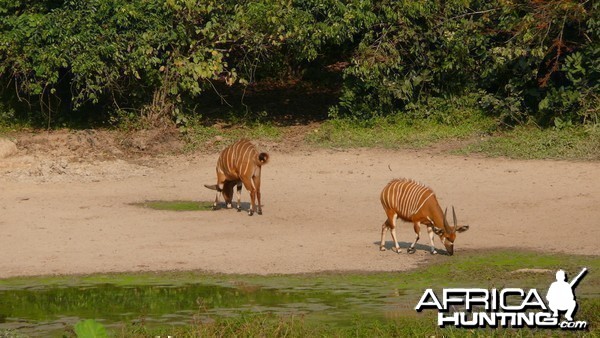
509 307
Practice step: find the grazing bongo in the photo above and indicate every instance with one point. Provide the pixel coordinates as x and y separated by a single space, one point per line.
416 203
238 164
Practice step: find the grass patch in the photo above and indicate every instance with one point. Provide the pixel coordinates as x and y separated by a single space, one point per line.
396 131
363 304
481 133
198 136
472 268
177 205
266 325
531 142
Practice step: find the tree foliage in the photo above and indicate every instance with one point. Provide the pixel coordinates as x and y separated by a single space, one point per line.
528 59
519 60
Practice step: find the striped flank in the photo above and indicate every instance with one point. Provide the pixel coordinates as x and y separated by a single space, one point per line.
238 164
405 196
238 160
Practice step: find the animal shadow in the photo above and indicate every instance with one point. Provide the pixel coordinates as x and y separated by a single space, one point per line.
245 206
405 245
223 205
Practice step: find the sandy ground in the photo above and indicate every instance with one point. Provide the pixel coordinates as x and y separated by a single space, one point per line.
64 215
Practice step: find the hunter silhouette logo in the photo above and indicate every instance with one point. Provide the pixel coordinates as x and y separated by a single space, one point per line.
508 307
561 295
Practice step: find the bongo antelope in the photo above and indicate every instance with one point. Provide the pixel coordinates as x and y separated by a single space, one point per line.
413 202
238 164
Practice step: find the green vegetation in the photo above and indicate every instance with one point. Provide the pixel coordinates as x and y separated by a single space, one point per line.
378 73
177 205
89 328
191 304
476 134
198 136
531 142
397 131
102 62
265 325
388 74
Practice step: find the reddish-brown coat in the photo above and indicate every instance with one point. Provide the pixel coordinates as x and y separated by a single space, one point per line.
238 164
414 202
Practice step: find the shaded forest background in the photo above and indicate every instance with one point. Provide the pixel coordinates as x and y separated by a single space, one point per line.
101 62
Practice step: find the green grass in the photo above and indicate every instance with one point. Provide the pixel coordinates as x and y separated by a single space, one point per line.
460 130
177 205
344 291
198 136
531 142
470 268
481 134
396 132
265 325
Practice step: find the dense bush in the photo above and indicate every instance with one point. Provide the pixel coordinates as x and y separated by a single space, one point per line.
524 59
520 60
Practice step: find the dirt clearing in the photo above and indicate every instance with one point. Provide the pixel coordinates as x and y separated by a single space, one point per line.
64 212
